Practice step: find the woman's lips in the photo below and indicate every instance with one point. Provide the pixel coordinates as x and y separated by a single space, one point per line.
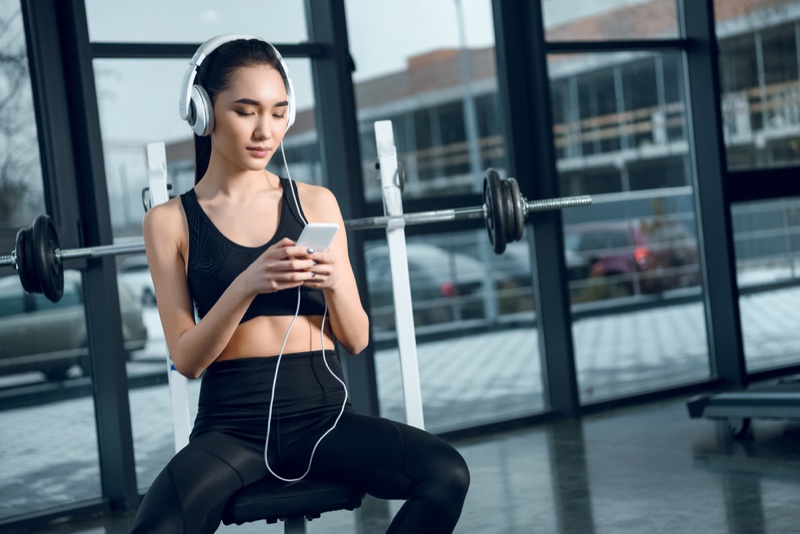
259 151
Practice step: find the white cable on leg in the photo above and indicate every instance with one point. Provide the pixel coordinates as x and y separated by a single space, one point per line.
401 286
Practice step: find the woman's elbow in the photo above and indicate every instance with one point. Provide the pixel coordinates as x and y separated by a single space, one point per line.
185 368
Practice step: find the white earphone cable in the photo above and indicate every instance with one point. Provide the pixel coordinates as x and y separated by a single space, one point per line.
280 355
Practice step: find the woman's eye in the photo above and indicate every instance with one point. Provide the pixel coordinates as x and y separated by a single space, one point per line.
242 113
279 116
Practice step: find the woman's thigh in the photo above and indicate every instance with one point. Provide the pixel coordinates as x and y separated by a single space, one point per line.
191 491
385 458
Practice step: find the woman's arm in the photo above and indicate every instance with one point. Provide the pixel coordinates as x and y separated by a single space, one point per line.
348 319
193 347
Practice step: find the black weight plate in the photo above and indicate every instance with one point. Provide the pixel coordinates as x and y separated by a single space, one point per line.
49 271
519 217
496 217
26 276
507 202
33 274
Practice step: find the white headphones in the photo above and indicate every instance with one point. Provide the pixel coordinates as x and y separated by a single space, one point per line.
196 107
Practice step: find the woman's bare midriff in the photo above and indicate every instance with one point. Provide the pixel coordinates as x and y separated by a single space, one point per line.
263 336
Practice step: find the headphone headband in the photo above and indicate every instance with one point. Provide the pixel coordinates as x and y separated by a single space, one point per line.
191 92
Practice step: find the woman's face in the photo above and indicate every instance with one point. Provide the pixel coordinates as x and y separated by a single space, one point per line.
250 117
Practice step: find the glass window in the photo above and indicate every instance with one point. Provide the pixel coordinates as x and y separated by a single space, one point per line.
194 21
767 243
21 192
138 100
758 63
602 20
434 77
48 453
632 257
467 303
437 84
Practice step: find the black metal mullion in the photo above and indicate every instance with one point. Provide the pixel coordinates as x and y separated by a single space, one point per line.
715 233
523 86
571 47
102 306
337 129
106 50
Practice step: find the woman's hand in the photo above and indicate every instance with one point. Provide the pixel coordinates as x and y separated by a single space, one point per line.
324 270
281 266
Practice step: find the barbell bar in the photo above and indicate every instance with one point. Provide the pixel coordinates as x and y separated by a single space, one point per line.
38 258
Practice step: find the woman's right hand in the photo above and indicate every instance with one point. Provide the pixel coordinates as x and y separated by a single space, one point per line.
281 266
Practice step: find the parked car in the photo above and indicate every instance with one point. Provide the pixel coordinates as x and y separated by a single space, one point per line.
647 256
445 286
50 337
136 272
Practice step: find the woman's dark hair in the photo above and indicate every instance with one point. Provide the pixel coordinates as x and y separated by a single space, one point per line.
215 74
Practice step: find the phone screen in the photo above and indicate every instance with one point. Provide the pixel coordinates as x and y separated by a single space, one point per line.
318 236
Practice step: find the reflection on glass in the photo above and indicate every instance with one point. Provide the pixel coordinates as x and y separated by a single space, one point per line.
477 347
437 85
767 242
603 20
48 453
758 63
194 21
620 135
21 196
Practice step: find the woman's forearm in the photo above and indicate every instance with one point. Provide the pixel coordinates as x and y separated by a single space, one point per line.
199 346
349 321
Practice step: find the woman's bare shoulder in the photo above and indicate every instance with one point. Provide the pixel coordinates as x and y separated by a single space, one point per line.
318 201
166 219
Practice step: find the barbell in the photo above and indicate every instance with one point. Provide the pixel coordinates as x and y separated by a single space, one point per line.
39 260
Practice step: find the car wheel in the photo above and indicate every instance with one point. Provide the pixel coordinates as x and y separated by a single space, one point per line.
148 298
619 289
86 366
57 374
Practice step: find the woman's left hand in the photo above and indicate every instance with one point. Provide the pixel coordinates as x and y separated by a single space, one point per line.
324 272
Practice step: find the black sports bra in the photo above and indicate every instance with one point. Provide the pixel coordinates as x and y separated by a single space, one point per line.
215 261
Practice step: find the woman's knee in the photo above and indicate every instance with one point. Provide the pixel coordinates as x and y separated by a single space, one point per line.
452 475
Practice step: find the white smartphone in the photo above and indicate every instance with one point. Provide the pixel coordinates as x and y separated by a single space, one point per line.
317 236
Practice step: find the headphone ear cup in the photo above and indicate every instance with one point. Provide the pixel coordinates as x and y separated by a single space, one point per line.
292 111
201 112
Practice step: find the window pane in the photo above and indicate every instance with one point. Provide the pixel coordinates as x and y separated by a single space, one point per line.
21 193
603 20
48 453
758 63
438 86
634 270
48 449
138 105
767 239
438 89
194 21
474 322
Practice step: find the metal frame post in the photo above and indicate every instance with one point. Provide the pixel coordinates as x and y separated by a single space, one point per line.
523 85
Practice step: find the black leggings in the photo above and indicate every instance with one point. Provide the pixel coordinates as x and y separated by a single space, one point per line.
386 459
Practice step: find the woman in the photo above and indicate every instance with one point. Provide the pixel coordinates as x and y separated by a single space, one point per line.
227 247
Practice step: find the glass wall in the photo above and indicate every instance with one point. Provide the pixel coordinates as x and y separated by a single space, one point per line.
632 257
438 86
603 20
758 62
48 450
21 194
194 21
767 240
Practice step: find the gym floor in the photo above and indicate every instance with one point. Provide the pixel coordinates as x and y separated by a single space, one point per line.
646 469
